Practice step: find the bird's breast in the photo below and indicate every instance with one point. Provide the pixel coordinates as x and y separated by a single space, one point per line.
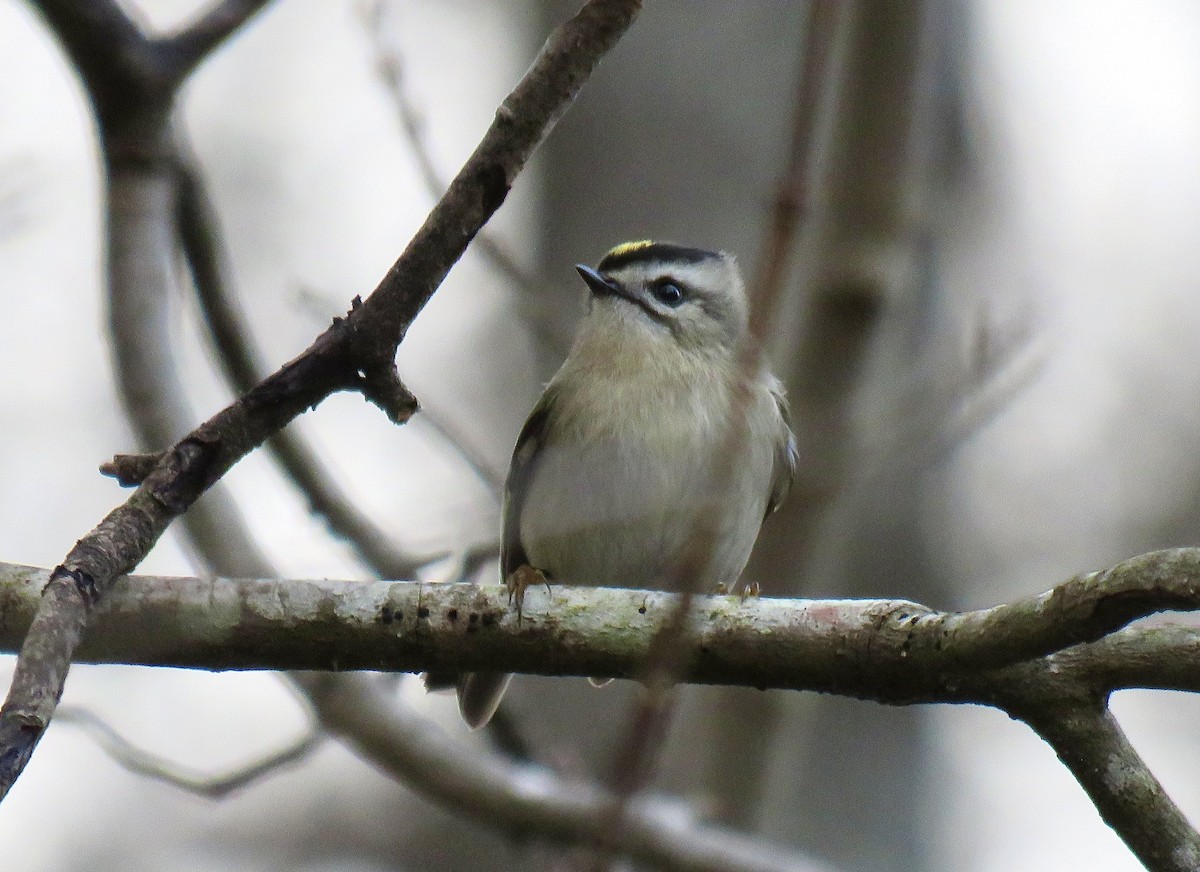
614 498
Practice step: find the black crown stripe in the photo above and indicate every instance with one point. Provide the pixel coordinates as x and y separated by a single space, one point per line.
624 255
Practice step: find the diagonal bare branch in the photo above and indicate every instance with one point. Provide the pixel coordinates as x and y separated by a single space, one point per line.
239 358
1090 742
534 293
141 249
193 43
355 353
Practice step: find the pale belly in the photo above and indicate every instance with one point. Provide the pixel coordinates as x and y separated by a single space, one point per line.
622 517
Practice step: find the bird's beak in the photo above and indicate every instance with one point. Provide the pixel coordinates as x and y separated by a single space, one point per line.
602 286
598 284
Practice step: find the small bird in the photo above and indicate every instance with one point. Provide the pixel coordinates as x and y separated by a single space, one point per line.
612 469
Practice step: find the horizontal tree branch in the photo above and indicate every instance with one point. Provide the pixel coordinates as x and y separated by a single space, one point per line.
1083 609
1132 658
869 649
890 651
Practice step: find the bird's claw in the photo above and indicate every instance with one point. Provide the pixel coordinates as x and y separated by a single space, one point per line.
518 582
748 590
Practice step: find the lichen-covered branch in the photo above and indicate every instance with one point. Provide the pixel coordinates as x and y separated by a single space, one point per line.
1136 657
1083 609
869 649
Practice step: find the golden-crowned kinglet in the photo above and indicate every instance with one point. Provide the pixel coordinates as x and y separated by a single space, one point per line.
611 471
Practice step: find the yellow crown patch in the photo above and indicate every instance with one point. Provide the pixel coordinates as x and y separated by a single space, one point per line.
627 247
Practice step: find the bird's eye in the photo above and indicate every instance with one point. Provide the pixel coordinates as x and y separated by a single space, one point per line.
667 293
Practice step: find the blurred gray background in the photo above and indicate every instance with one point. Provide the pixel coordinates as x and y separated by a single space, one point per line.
989 342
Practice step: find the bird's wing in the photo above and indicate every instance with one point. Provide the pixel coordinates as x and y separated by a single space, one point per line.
520 473
479 693
785 451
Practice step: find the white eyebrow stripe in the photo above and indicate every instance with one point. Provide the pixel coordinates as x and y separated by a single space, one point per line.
702 277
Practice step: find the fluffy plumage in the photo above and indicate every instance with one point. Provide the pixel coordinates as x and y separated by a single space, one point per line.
611 470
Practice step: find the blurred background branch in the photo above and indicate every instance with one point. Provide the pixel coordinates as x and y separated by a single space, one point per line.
525 800
139 761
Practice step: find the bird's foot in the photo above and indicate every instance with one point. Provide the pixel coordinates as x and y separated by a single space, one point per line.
519 580
748 590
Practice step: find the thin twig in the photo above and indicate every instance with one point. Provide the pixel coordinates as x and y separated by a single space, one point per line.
390 67
208 785
459 440
861 253
793 191
355 353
